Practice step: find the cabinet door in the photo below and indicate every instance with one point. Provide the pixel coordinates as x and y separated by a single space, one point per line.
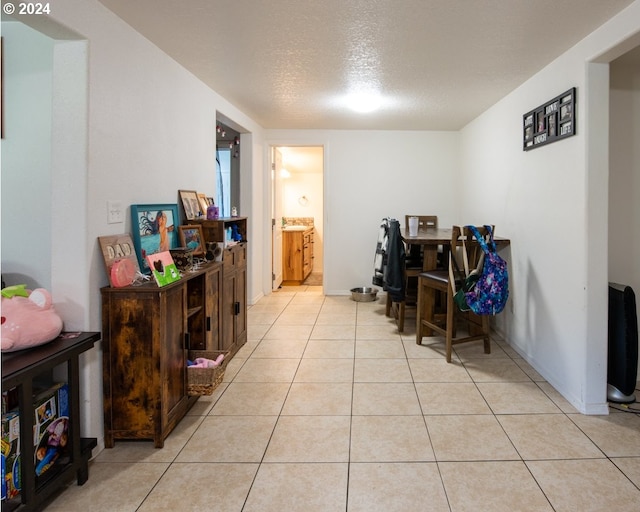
131 379
227 315
241 299
173 354
212 309
196 313
306 258
292 256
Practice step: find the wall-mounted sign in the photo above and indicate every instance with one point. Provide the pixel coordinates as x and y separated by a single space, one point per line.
550 122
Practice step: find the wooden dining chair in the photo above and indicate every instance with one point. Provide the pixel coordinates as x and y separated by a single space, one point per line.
428 319
424 221
397 308
414 252
412 267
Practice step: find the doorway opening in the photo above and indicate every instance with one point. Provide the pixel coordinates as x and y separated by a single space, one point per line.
623 191
227 168
297 188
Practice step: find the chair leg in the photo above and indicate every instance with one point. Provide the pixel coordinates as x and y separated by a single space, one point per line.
454 328
388 306
426 306
485 331
450 324
429 307
397 310
419 308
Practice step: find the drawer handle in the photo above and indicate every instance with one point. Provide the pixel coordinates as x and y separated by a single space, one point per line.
236 308
208 323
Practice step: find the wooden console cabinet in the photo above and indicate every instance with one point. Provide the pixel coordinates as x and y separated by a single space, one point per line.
20 370
233 309
297 255
147 333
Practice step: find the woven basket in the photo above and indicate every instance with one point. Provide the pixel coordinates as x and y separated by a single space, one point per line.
203 381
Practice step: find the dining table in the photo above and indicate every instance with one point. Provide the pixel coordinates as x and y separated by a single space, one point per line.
431 238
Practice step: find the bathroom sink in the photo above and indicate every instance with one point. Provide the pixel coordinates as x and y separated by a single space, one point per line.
295 228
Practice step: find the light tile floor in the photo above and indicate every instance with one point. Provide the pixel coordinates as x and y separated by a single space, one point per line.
328 408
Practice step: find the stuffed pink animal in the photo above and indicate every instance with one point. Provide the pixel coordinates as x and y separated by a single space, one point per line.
203 362
28 321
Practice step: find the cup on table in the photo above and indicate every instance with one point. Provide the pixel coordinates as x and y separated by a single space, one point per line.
413 226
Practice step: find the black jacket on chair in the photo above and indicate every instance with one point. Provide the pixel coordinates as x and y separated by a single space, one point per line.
394 282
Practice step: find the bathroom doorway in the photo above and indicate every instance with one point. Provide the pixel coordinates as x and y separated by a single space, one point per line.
297 200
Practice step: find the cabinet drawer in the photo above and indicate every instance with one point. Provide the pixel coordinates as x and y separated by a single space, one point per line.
241 255
235 257
229 259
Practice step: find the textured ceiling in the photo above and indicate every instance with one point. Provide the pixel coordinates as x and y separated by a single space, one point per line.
436 63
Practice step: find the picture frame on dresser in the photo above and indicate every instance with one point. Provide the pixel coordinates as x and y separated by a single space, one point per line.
154 229
192 237
190 204
115 249
204 203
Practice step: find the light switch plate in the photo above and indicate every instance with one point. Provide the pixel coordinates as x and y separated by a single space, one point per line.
115 214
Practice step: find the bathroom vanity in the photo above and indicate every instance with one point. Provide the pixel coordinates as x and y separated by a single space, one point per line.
297 254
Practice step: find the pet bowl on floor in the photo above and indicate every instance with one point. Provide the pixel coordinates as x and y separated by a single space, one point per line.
364 294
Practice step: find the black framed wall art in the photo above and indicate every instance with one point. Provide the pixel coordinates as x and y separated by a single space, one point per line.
554 120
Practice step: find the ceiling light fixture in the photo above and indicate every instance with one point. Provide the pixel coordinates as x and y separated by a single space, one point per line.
364 102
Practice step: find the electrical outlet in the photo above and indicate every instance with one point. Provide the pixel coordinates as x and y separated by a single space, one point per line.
115 215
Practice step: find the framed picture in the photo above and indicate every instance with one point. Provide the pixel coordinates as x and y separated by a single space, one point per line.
163 268
210 201
204 203
115 248
190 204
541 122
550 122
154 229
192 237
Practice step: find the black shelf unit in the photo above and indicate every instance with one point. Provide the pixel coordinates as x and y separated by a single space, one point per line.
19 370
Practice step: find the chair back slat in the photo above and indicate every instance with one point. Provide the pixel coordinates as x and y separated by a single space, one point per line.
424 221
465 248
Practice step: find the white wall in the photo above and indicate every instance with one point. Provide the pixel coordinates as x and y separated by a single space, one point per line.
369 175
151 126
147 130
549 202
26 156
624 179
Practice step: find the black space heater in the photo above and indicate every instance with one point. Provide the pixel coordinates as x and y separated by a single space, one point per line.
622 368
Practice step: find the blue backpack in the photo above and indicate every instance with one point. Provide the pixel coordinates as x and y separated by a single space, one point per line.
490 293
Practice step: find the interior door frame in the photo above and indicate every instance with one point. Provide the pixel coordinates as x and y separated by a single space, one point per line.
302 144
275 165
